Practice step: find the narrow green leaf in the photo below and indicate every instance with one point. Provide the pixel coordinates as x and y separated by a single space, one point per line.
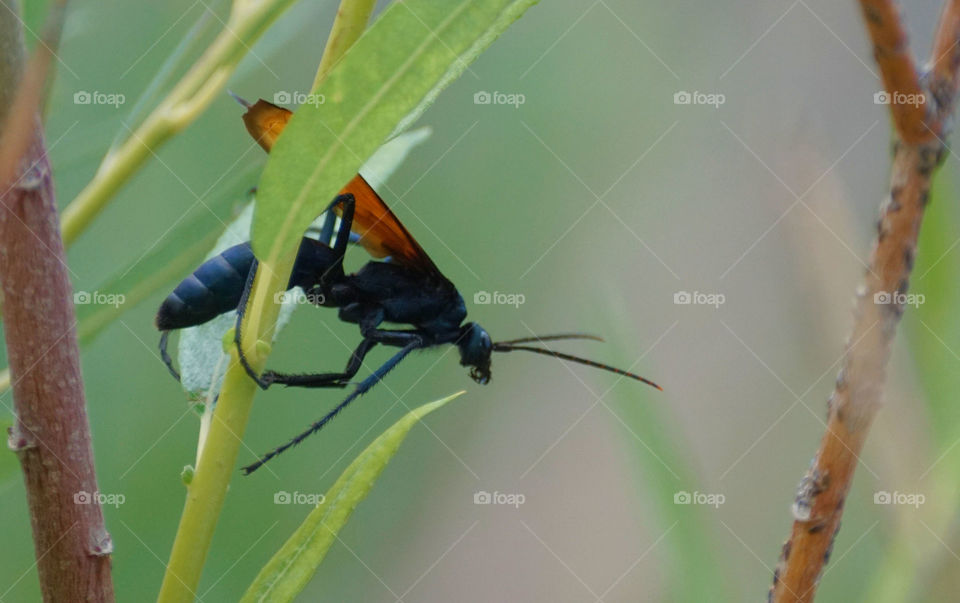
285 575
414 50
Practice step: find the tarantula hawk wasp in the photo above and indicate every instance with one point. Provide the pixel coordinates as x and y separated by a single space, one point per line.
401 285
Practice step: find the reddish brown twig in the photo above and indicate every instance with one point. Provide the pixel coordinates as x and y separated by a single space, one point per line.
897 67
51 435
856 397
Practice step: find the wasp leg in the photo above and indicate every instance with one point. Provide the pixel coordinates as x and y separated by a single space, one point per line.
323 379
269 377
364 386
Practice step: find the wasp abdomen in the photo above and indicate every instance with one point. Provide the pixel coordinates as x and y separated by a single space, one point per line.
214 288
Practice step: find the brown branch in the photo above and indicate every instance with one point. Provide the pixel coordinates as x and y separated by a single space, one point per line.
897 69
856 397
51 435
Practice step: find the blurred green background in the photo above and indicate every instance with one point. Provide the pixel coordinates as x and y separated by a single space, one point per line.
598 199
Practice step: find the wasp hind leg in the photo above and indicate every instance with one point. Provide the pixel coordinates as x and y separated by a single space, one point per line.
165 356
323 379
320 379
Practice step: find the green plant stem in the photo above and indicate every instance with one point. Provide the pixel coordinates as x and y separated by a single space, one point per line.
354 16
207 490
192 94
4 380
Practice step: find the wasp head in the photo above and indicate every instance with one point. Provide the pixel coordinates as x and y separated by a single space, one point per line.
475 347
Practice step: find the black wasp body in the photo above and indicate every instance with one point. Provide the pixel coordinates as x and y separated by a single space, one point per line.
405 288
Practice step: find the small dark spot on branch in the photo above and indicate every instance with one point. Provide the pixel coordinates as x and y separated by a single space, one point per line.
17 441
903 286
841 382
930 157
873 16
828 552
908 256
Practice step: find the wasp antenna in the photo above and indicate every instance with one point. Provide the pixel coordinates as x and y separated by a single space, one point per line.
239 99
500 347
556 337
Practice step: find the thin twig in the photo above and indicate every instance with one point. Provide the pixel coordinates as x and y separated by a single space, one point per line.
856 397
51 434
897 68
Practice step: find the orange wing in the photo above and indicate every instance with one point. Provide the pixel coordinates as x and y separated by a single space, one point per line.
265 121
381 233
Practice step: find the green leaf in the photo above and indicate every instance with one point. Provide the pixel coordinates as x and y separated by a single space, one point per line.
414 50
693 566
285 575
